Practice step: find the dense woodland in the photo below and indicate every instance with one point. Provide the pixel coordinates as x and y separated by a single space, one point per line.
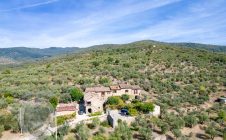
176 78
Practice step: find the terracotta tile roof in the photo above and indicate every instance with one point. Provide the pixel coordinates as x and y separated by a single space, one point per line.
126 86
66 107
89 96
115 87
97 89
135 87
123 86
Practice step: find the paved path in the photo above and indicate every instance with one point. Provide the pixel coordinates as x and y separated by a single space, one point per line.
72 124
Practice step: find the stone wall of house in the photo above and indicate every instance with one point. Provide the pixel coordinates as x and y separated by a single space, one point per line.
130 92
96 103
65 113
156 111
97 100
121 92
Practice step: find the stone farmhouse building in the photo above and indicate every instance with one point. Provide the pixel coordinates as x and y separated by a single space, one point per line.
95 97
65 109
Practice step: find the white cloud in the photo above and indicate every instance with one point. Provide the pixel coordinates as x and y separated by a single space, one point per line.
195 24
29 5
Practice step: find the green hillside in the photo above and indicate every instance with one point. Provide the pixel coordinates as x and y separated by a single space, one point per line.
25 54
176 78
214 48
21 54
140 63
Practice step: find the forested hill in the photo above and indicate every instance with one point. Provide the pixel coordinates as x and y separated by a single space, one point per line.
209 47
20 54
23 53
214 48
178 79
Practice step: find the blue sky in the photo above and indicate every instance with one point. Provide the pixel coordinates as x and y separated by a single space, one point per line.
82 23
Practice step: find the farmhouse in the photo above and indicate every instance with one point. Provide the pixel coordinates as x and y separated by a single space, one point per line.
95 97
65 109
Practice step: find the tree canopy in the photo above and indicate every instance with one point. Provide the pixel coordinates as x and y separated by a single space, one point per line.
76 94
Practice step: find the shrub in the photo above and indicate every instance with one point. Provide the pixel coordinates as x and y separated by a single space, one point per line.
164 127
1 130
3 103
145 107
202 89
10 100
126 65
76 94
7 94
116 61
202 117
99 137
65 98
6 71
62 131
177 133
91 126
96 122
133 112
62 119
95 63
190 120
104 80
53 101
211 131
105 124
122 132
101 130
222 115
125 97
82 131
114 100
95 114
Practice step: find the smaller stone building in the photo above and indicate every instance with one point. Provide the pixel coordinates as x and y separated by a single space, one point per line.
156 111
66 109
114 115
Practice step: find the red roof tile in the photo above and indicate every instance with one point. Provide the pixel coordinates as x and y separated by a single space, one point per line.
65 107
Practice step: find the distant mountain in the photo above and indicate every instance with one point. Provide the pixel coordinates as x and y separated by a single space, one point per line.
18 54
23 53
214 48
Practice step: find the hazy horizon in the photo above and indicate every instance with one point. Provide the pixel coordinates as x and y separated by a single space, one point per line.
103 44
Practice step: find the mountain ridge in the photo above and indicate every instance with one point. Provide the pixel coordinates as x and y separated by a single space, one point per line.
19 54
25 53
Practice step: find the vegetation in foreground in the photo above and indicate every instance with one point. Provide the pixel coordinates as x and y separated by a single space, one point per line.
184 82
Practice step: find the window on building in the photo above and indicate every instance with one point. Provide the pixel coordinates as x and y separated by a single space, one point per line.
126 91
114 91
102 94
135 91
88 103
